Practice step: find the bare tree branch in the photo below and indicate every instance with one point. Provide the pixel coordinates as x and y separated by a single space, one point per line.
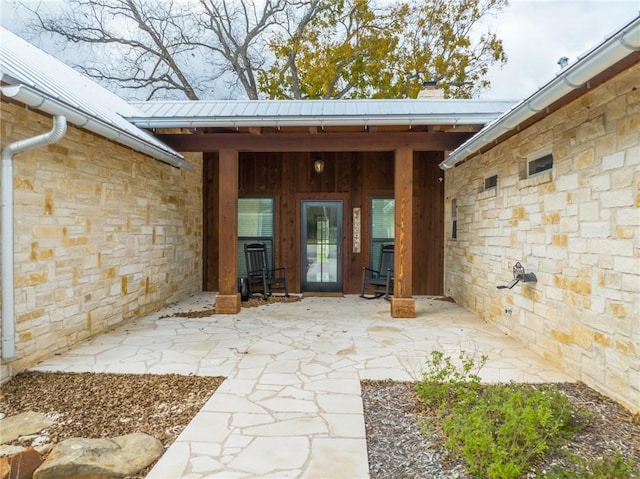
276 48
144 35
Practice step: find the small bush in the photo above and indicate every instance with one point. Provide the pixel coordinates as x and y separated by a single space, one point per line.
615 467
443 382
506 428
498 429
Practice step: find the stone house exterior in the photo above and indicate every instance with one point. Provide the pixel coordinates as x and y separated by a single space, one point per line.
102 233
575 225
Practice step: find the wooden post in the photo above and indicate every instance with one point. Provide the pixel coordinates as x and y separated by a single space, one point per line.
228 299
403 305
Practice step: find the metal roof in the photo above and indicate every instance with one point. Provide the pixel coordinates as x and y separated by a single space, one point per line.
43 82
603 56
281 113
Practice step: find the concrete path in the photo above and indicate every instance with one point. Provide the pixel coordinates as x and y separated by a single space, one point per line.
291 404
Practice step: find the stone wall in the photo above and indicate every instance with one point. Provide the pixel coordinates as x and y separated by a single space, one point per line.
576 227
102 235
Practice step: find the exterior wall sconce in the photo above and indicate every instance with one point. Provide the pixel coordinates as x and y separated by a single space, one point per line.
519 275
318 165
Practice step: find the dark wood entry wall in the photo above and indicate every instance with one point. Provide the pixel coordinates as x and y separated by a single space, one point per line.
359 175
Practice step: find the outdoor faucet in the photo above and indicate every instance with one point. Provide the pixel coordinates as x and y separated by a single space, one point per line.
519 275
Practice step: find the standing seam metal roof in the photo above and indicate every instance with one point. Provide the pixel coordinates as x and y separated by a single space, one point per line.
247 113
21 63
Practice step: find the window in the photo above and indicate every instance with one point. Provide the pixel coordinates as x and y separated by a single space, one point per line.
255 225
382 226
490 182
539 165
454 219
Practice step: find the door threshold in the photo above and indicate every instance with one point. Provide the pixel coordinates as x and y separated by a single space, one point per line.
311 294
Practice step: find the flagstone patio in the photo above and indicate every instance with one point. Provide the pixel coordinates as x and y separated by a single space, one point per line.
291 406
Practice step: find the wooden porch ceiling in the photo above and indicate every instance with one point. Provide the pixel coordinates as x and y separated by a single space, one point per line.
315 139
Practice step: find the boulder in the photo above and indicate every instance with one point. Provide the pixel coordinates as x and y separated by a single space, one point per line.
23 424
107 458
18 462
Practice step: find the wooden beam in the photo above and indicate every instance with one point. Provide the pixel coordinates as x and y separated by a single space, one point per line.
327 141
402 302
228 299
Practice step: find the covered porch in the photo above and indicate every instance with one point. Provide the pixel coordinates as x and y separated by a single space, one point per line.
343 154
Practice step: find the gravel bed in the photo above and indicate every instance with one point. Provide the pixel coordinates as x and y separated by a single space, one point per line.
396 445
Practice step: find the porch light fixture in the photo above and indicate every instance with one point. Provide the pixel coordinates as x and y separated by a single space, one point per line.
318 165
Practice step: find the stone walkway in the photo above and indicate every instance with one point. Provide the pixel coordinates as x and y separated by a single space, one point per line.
291 406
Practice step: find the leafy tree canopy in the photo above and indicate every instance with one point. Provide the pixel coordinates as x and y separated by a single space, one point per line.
197 49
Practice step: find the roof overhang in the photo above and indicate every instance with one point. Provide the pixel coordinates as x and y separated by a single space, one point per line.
317 125
616 53
34 78
316 113
53 106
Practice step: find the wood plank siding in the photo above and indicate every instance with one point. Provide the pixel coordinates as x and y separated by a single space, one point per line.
353 176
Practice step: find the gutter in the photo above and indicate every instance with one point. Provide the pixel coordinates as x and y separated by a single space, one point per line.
47 104
595 61
306 121
8 285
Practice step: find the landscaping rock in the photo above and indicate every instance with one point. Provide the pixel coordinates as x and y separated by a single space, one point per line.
100 458
13 427
18 462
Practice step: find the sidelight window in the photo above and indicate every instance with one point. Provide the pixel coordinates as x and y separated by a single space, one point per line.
255 225
382 226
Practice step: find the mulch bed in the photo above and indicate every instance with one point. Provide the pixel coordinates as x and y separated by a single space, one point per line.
400 446
252 302
94 405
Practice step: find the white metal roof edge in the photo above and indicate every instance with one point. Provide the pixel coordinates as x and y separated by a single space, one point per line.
138 140
363 120
280 113
43 82
623 42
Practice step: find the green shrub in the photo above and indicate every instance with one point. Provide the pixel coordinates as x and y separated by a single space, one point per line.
444 383
506 428
498 429
615 467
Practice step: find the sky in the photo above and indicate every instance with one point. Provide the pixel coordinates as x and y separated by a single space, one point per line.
535 34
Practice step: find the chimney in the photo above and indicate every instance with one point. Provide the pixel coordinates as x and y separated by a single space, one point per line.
431 91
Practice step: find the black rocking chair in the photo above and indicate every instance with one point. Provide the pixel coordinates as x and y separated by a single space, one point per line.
262 279
379 282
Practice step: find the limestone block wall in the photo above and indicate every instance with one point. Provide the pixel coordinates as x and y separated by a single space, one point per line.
577 227
102 235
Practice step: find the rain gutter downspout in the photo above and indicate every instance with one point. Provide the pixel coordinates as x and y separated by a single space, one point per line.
612 50
8 285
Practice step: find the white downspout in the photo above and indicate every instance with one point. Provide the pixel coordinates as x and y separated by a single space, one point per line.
8 286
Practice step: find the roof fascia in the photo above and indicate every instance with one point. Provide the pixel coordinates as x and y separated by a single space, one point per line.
43 102
578 76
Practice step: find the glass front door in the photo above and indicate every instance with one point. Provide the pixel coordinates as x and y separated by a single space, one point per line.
321 246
